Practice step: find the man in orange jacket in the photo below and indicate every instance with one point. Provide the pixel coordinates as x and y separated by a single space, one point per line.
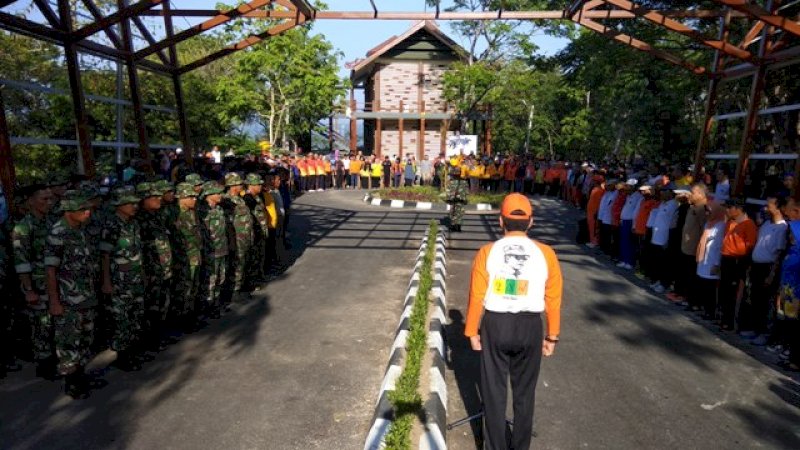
514 281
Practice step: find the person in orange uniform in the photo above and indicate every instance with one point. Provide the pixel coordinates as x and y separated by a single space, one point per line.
514 281
302 166
509 172
593 206
737 245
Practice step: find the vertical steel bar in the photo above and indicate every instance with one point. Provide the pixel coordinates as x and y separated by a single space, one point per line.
421 146
120 151
177 87
133 83
751 122
353 124
86 160
400 130
8 176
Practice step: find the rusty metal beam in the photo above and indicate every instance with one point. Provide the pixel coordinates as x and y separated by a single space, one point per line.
711 99
779 59
307 10
115 18
48 13
86 160
177 86
638 44
97 14
678 27
757 12
149 38
8 176
751 121
133 84
244 43
216 21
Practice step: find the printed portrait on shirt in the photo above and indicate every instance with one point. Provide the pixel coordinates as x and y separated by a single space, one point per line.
508 281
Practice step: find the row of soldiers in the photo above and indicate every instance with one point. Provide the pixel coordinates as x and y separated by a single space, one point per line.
153 257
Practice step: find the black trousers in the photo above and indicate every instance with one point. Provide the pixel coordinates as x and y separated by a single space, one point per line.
733 271
512 345
704 295
754 312
685 272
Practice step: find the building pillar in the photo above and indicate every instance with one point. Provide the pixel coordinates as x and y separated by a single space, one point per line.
8 175
353 124
421 146
400 130
378 132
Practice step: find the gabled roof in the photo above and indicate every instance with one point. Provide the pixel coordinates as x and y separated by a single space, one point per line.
361 67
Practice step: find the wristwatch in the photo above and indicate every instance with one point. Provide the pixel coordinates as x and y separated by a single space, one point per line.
551 339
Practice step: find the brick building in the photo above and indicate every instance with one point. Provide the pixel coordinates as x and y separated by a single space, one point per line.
403 110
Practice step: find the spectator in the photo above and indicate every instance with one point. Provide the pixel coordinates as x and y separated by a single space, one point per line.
691 231
409 172
626 233
355 172
708 257
605 216
386 171
426 170
663 218
740 238
723 189
593 208
789 288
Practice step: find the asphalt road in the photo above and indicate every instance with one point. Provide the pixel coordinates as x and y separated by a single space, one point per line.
299 366
632 371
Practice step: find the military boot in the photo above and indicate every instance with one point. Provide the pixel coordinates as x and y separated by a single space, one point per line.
76 385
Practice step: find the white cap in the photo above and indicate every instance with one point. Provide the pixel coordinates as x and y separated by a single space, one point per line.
632 182
646 188
179 150
681 192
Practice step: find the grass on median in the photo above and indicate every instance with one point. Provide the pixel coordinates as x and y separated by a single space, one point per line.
405 398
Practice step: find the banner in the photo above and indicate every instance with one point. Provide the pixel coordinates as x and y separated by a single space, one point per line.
462 144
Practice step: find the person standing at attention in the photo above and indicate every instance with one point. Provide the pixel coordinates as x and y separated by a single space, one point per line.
513 281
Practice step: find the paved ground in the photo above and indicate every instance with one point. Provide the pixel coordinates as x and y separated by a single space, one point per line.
631 371
297 367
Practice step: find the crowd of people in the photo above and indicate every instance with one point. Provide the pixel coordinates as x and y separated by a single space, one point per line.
130 267
732 262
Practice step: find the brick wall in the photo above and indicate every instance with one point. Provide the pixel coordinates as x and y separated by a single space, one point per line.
401 81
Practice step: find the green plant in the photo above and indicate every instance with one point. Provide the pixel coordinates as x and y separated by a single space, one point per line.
405 398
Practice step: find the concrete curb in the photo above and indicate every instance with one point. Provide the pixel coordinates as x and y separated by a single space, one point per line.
384 414
433 437
428 206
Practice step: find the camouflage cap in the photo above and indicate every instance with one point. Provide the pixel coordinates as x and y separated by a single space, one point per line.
253 179
123 196
211 188
194 179
185 190
148 189
164 186
233 179
74 200
90 190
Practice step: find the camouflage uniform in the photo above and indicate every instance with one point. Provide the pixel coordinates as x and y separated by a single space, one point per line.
122 243
456 197
188 255
196 181
156 257
215 247
29 238
240 233
68 250
255 203
169 215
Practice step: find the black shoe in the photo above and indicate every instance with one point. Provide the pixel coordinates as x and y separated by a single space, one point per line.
76 386
127 363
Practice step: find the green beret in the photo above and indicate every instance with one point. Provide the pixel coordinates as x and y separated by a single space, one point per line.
253 179
123 196
194 179
233 179
74 200
211 188
185 190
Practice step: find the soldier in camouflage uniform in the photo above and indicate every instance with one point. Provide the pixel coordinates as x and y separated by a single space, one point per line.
123 277
196 181
240 233
188 256
255 203
71 291
215 246
29 238
157 260
456 197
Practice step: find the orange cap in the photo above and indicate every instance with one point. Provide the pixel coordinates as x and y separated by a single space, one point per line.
516 206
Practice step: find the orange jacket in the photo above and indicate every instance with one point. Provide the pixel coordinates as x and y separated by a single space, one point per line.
640 223
479 284
594 202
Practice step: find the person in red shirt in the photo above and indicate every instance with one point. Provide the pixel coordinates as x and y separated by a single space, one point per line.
737 245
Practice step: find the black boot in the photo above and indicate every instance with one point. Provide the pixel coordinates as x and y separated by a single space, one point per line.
76 386
46 369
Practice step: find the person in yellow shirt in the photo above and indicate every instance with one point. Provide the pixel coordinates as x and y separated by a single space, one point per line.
476 171
489 173
376 171
355 172
366 169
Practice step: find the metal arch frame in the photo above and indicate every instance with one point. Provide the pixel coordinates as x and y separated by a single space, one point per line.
297 12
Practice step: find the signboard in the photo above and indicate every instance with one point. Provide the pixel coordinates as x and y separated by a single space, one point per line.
462 144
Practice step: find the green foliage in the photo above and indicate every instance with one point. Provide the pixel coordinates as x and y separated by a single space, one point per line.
405 398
